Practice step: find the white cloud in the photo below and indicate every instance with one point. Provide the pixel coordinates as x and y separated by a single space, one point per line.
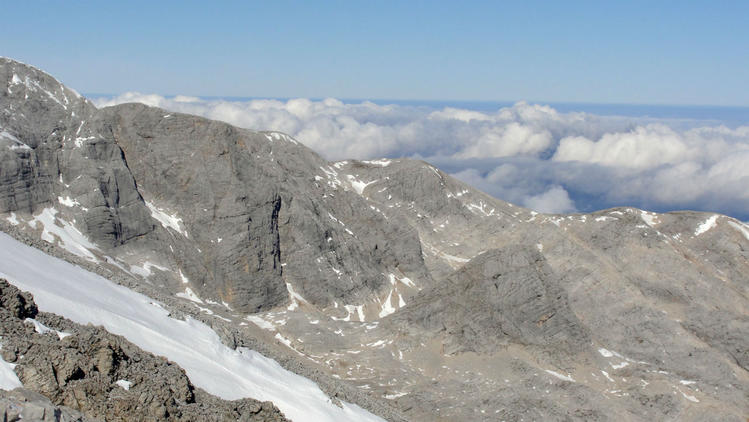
528 154
643 147
186 99
556 200
459 114
506 141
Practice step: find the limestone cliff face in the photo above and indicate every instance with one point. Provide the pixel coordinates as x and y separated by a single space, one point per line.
53 154
504 296
234 215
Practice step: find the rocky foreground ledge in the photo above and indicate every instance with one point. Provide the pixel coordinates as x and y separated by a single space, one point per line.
72 372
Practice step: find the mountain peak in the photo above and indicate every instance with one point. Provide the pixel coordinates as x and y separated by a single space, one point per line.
28 81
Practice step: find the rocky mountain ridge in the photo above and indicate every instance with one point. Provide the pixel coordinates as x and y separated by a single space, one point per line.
104 376
389 274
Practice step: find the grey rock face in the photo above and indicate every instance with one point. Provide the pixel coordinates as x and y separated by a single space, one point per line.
25 405
101 375
275 206
49 152
503 296
20 304
39 110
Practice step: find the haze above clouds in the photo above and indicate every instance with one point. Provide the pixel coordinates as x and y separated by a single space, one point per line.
528 154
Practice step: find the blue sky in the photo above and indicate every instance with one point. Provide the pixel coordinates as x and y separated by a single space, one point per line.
665 52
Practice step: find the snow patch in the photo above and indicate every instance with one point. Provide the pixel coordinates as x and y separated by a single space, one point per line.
80 140
71 239
651 219
357 184
691 398
265 325
284 340
33 85
408 282
145 269
42 329
378 343
67 201
332 176
294 297
211 313
453 261
12 219
608 353
387 306
481 207
8 378
560 376
381 162
360 312
271 136
350 309
189 295
707 225
124 384
168 221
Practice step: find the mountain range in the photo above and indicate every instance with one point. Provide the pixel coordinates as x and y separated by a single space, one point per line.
398 291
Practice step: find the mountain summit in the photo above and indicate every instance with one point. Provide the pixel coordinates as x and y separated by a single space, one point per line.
388 282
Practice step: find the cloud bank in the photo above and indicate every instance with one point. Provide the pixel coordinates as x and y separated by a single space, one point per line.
528 154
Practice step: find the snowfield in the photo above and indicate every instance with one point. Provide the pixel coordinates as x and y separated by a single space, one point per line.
84 297
8 378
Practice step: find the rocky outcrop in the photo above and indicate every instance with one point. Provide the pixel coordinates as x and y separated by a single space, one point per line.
51 156
503 296
100 375
25 405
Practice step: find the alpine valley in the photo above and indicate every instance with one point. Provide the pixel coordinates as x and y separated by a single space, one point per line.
163 266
